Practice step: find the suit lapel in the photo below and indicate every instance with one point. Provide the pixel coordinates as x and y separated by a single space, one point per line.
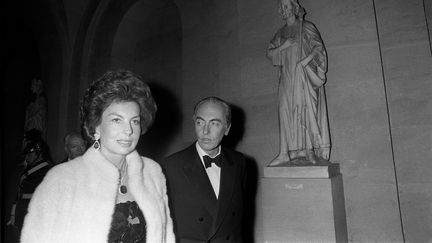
198 179
227 183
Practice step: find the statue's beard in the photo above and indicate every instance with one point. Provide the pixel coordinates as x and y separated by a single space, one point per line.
286 14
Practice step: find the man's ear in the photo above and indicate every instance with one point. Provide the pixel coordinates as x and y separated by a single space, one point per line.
227 130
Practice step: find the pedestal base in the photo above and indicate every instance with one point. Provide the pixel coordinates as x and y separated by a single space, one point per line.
303 204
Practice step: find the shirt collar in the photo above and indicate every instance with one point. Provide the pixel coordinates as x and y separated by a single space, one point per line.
202 153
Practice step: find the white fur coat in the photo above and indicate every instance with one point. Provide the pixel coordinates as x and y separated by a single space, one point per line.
75 202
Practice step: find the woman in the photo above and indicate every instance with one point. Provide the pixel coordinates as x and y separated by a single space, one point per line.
109 194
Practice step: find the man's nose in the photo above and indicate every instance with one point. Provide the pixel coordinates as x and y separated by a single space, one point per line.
206 129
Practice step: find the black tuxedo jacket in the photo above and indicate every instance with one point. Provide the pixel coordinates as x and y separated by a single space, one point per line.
198 215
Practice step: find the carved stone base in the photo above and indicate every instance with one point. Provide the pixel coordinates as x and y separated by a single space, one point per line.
302 171
303 204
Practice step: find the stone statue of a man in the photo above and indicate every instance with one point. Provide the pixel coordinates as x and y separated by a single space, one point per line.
297 50
36 111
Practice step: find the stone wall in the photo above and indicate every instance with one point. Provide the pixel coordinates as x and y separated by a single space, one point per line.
377 90
407 71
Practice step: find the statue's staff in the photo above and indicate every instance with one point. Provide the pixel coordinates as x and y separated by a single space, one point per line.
301 12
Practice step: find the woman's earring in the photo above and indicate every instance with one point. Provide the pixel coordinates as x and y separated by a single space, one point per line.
96 144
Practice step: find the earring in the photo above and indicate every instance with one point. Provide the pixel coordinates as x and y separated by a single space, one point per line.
96 145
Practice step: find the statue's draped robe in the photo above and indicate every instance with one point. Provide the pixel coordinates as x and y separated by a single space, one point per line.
36 115
302 105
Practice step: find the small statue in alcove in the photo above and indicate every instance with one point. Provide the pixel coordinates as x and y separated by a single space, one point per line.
36 112
298 52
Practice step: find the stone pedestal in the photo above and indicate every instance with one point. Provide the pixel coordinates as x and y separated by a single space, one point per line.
303 204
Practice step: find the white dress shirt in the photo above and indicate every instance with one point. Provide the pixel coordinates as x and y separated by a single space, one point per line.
213 172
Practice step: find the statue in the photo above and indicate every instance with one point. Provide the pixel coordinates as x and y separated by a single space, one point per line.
299 54
36 111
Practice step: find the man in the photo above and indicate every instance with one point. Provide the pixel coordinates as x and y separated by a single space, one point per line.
75 146
36 165
206 198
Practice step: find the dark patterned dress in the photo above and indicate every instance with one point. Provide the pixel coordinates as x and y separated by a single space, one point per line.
128 224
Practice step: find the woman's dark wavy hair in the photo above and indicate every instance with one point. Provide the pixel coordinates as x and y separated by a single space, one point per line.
112 87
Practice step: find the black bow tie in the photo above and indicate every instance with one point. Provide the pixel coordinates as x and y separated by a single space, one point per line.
208 161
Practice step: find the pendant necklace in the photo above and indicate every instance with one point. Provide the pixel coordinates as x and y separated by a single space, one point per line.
123 171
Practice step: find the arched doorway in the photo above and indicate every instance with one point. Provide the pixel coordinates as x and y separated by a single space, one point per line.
145 37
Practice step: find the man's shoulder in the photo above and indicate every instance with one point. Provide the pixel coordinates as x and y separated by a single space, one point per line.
66 159
231 151
180 155
39 169
234 155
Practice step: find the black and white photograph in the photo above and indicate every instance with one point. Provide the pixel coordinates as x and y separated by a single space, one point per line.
210 121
